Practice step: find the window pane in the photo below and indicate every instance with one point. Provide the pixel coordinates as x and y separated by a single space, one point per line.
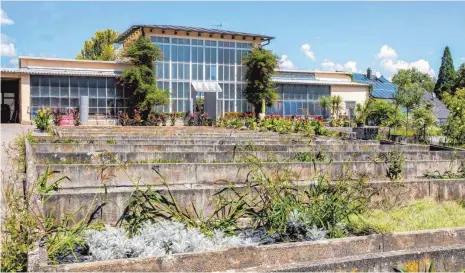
35 102
92 102
92 87
74 102
83 87
102 88
45 86
174 53
174 71
74 83
64 87
213 72
102 102
111 91
64 102
54 86
35 86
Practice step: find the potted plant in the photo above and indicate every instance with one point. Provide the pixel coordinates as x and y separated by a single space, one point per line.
76 116
163 118
42 120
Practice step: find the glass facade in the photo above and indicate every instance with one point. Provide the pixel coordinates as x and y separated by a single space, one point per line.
195 59
293 98
64 92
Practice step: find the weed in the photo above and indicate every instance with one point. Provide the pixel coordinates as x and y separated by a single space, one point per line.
394 161
110 141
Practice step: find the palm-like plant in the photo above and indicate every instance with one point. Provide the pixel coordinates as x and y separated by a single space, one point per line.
325 103
336 104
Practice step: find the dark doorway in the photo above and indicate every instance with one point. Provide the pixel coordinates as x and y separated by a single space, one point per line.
10 101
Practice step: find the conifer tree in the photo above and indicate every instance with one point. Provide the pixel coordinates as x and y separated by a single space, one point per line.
460 79
446 76
100 47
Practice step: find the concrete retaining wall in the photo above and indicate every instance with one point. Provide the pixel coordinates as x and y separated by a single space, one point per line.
283 256
68 201
209 157
46 147
88 176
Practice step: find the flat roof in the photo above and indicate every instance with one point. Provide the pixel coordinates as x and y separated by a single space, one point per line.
313 71
70 60
60 72
121 37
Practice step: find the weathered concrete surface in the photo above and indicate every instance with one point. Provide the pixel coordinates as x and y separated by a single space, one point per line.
227 156
356 147
116 175
444 259
68 201
287 256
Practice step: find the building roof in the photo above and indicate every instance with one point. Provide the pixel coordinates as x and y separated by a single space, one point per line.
440 110
317 82
382 88
308 77
61 72
121 37
70 60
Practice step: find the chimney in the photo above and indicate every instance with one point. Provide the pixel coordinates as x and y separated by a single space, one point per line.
369 73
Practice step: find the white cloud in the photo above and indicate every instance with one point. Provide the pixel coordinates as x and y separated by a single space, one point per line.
462 59
285 63
328 65
378 74
306 49
14 61
4 20
7 49
6 39
394 66
389 62
387 53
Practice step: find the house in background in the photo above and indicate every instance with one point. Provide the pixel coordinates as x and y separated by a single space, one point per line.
196 61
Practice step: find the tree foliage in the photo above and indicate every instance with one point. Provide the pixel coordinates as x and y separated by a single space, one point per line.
261 65
454 128
446 76
460 78
410 96
141 78
100 47
423 120
405 77
379 112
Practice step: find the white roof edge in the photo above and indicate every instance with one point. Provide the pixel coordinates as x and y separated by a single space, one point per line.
70 60
313 71
318 82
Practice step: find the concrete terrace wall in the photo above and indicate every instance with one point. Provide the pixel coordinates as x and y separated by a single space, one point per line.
391 249
67 201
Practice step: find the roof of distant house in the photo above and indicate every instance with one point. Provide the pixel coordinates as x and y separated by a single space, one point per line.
133 28
440 110
382 88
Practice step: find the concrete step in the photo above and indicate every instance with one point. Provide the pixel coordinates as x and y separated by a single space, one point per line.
224 157
123 175
352 147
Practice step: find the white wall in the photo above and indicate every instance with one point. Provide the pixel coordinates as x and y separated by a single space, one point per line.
359 94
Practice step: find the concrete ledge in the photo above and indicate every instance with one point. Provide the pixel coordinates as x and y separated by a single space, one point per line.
278 256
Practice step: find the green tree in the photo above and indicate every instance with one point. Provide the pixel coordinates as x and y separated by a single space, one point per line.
460 78
409 96
405 77
446 76
260 88
325 104
423 120
454 128
100 47
379 112
142 53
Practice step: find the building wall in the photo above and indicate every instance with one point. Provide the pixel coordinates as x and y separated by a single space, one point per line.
333 76
357 94
73 64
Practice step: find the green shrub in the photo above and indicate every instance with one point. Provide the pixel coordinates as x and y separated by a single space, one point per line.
42 120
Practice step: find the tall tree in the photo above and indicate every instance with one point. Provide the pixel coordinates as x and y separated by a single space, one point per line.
259 89
142 53
460 79
446 76
409 96
405 77
100 47
454 128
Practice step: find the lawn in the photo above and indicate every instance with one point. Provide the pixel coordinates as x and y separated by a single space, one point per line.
417 215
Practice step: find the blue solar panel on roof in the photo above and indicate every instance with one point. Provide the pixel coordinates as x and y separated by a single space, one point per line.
295 76
382 88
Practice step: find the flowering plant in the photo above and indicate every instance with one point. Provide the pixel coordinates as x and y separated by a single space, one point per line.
42 120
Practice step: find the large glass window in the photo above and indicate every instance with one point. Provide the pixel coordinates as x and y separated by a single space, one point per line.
62 92
299 99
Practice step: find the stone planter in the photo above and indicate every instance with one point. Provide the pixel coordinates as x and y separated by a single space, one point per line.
179 123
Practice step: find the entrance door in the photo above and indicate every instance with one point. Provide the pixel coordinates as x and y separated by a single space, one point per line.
10 104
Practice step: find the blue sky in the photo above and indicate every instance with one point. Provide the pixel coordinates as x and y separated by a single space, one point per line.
385 36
